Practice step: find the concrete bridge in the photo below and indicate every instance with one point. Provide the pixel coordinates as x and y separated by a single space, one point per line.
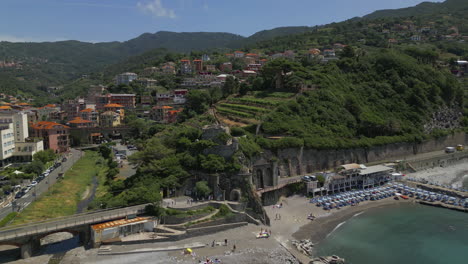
27 237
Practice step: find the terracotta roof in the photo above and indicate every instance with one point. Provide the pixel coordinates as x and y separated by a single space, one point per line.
47 125
113 106
237 51
87 110
50 105
79 120
251 54
5 107
23 104
119 223
197 60
314 51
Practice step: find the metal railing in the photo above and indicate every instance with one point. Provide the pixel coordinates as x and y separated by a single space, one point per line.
58 224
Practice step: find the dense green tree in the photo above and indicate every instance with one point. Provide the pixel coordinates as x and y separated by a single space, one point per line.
202 189
45 156
36 167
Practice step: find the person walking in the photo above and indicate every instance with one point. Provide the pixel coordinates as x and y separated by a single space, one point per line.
234 248
225 242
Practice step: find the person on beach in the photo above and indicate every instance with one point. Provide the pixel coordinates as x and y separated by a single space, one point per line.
225 242
213 243
234 248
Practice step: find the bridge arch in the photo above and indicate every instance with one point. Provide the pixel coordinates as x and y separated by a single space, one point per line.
70 231
10 243
235 195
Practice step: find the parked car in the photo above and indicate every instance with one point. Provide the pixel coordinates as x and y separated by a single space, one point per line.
64 159
19 195
307 178
449 150
33 183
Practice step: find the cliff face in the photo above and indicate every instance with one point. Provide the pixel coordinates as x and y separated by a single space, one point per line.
291 162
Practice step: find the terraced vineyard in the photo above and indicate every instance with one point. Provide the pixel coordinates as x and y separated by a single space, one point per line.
241 111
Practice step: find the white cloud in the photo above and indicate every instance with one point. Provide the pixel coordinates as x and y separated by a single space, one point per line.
155 8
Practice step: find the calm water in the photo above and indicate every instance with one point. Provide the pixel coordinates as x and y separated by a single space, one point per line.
405 234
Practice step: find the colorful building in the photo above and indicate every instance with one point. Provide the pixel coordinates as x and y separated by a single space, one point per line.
197 65
125 78
90 114
55 136
185 67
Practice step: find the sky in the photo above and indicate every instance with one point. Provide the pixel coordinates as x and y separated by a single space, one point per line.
121 20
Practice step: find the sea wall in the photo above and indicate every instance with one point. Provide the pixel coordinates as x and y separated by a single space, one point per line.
297 161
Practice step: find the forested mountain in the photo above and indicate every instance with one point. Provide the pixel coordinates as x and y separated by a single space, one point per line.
44 64
424 8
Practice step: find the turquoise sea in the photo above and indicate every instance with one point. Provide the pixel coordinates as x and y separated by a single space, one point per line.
402 234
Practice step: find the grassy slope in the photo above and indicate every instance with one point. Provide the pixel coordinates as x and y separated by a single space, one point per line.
63 197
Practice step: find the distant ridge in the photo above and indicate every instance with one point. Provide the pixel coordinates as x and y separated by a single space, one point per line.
424 8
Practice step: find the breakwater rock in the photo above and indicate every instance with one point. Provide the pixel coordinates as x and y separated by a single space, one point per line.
328 260
304 246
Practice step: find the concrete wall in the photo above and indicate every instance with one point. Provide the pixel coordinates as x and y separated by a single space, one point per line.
174 220
297 161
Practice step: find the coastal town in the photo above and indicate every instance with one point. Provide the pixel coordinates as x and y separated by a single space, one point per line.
328 144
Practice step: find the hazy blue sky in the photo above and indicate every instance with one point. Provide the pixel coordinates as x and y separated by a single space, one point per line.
109 20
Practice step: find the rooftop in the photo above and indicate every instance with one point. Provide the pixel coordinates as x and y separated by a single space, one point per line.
113 106
47 125
120 222
374 169
351 166
87 110
79 120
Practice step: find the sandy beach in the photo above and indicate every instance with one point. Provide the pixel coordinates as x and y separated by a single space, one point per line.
277 249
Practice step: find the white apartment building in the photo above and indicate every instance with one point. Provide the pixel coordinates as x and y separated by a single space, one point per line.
7 143
15 142
125 78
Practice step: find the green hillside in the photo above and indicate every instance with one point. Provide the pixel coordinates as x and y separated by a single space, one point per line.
57 63
424 8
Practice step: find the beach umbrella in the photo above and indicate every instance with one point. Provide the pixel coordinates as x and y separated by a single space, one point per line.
189 250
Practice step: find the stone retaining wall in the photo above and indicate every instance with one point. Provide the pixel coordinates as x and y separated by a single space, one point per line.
298 161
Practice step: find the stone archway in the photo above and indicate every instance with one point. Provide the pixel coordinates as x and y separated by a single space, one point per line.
235 195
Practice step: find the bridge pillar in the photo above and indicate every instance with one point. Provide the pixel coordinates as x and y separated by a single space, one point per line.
85 236
29 248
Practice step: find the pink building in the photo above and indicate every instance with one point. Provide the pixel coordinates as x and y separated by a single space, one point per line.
55 136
